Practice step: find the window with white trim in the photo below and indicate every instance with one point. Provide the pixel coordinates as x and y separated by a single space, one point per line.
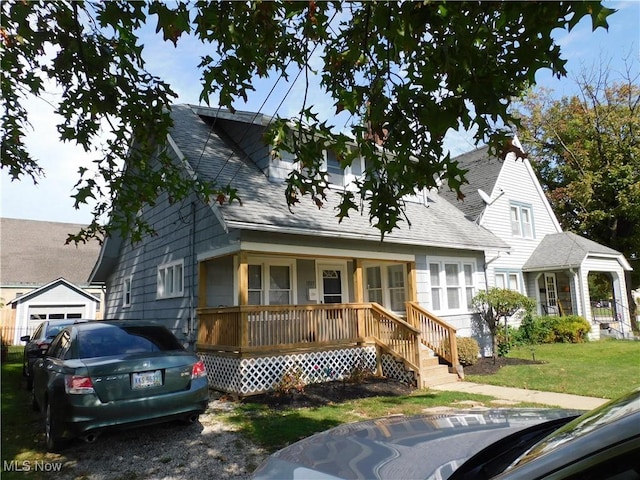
255 284
270 283
126 292
338 175
508 279
171 280
521 220
385 285
452 285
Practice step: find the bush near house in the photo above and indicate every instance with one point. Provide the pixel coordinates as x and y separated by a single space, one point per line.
468 351
566 329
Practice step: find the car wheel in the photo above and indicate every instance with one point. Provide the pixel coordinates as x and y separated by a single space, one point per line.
52 439
29 379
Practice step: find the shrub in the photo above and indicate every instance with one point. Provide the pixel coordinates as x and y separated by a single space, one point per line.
468 350
506 338
291 382
568 329
535 329
360 372
571 329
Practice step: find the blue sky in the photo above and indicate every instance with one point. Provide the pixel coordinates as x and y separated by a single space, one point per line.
50 199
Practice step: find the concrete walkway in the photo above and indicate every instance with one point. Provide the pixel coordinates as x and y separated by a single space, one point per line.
563 400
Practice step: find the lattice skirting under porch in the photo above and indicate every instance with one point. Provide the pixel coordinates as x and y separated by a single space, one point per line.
249 376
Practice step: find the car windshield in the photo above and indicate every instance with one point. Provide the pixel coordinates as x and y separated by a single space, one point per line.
608 413
53 330
115 340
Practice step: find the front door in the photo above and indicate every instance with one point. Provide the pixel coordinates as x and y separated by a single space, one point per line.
332 278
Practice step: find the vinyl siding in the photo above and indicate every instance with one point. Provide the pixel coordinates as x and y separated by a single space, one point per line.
520 187
140 262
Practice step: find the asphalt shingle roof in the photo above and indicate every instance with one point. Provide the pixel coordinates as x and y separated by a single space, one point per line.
34 253
565 250
483 171
214 157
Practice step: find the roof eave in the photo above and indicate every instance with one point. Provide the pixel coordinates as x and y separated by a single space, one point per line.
355 236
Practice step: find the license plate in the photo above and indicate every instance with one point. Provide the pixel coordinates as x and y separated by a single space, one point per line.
146 379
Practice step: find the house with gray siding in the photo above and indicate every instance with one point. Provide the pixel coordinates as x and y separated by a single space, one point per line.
259 290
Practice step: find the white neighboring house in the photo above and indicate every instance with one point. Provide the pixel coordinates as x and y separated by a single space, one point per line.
58 300
544 263
43 278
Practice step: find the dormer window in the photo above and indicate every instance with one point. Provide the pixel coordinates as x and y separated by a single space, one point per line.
335 171
338 175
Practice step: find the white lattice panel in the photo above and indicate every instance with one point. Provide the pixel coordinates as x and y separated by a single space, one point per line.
391 368
254 375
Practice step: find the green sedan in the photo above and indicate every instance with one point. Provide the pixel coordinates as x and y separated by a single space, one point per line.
102 375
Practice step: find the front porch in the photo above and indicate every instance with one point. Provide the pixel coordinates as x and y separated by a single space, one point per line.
567 292
249 348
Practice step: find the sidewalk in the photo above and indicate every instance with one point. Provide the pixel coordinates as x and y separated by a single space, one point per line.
563 400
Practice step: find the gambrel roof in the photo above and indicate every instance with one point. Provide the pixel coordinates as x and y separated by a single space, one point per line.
199 136
568 250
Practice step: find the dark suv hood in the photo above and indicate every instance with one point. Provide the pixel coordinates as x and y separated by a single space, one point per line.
424 446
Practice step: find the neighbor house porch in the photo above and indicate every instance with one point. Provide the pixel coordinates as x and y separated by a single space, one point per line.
561 292
248 347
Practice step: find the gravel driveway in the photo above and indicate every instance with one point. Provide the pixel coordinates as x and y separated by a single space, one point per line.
208 450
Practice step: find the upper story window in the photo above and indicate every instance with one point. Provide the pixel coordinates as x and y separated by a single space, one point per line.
452 285
386 285
521 220
342 176
171 280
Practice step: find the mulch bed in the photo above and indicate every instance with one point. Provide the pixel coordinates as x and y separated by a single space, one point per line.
319 394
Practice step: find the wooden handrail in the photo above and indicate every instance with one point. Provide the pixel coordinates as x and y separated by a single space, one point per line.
395 335
437 334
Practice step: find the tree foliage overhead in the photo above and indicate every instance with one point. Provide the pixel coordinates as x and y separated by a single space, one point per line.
407 72
586 151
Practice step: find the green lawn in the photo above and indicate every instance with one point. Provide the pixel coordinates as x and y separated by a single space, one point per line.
604 369
22 428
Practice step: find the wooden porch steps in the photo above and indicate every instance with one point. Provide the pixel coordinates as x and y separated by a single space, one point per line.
432 373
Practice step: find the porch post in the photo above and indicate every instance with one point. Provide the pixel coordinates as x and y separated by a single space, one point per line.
202 284
411 282
243 298
412 291
358 294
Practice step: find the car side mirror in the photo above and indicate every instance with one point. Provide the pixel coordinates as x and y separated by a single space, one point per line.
25 338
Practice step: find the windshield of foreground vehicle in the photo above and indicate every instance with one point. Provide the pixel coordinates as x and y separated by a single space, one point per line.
113 340
588 422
